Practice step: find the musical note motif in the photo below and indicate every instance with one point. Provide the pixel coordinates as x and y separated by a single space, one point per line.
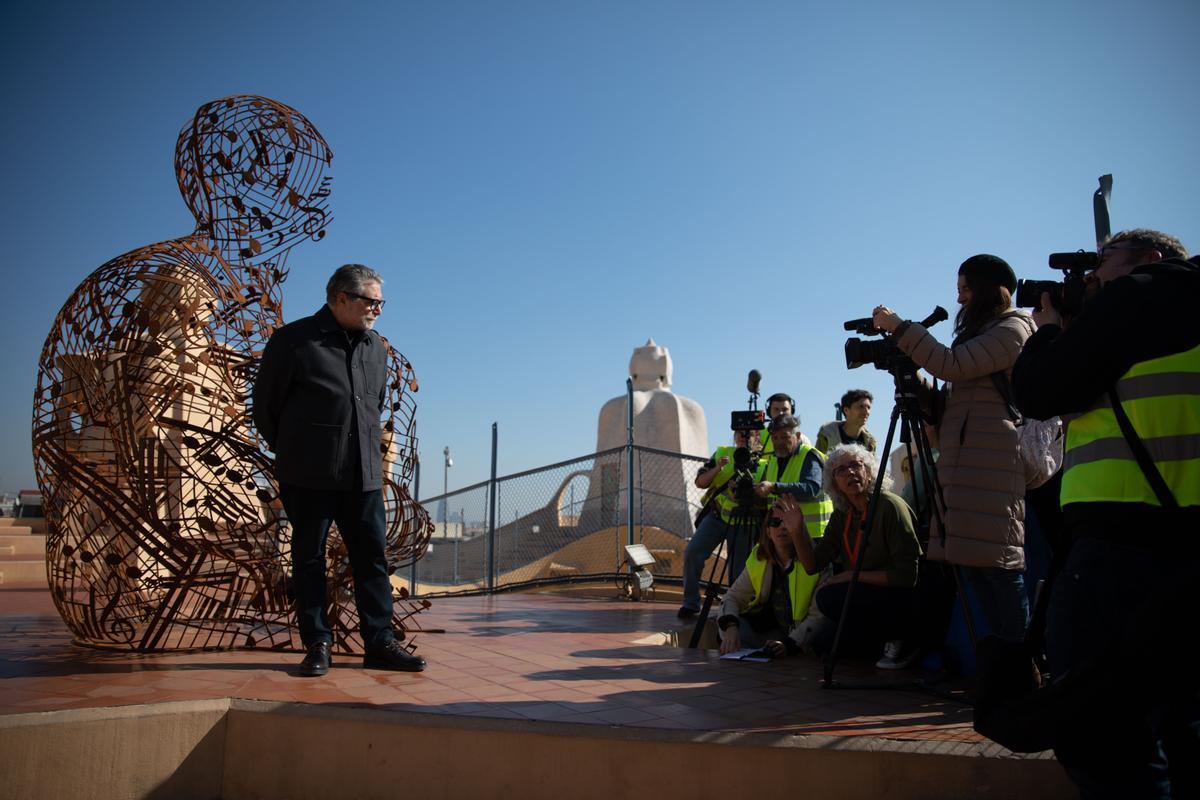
164 519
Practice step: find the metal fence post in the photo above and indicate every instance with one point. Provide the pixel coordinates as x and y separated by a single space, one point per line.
412 569
491 543
629 403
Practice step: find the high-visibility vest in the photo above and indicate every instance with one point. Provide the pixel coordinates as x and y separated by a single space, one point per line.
721 488
800 584
1162 398
816 511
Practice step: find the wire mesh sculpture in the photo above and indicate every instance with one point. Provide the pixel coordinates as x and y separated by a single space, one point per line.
165 529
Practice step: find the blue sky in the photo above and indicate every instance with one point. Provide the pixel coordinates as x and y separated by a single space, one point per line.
545 185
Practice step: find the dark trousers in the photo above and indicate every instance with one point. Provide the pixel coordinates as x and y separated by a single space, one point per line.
877 614
361 520
1146 744
1002 596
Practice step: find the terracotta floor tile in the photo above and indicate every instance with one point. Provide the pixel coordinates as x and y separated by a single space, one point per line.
537 658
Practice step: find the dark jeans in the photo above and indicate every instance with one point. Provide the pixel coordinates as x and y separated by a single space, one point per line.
877 614
1148 741
361 520
739 538
1001 595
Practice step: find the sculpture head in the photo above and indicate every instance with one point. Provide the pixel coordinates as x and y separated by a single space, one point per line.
650 367
253 173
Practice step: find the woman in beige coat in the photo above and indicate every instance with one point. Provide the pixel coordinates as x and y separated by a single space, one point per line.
979 468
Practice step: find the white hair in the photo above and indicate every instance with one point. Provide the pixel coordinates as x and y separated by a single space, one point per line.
838 456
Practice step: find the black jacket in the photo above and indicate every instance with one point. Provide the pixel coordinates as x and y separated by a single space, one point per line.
1147 314
317 402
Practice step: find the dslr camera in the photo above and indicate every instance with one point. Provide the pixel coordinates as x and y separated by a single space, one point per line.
1067 295
745 466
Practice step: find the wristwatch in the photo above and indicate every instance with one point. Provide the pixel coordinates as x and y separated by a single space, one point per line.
727 621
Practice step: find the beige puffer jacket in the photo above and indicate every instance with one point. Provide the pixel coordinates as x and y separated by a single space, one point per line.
980 471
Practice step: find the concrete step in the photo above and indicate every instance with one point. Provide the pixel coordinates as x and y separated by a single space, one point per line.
35 524
21 544
22 572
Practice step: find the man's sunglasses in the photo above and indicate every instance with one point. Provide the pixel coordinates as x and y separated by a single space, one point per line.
371 302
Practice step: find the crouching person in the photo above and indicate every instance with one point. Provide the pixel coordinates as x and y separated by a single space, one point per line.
883 606
766 606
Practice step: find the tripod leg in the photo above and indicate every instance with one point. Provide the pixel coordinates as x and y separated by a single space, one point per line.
710 594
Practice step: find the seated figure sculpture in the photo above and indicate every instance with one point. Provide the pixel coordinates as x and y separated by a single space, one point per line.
662 420
164 523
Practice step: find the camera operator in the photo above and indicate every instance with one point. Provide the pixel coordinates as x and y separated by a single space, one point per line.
856 408
716 523
766 604
1128 595
981 475
779 403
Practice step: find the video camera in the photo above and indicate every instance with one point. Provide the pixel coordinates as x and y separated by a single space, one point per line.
1066 296
745 459
882 353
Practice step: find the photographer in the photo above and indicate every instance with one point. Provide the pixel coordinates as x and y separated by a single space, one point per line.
777 404
856 408
794 468
716 522
1126 603
981 475
884 603
766 604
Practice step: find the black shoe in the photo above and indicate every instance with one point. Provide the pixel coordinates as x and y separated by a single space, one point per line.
316 661
392 656
686 613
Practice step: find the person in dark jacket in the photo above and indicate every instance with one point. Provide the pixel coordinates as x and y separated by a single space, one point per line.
1126 600
317 402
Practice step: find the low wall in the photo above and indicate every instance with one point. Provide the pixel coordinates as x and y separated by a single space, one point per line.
241 750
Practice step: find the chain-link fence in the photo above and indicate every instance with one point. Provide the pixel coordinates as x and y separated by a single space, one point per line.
564 522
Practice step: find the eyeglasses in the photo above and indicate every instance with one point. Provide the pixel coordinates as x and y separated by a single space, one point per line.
846 469
372 302
1114 248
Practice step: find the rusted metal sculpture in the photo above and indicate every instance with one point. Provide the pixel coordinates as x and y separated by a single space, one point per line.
165 528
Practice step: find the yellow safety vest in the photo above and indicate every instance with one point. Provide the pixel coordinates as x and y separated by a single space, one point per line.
721 488
800 584
817 511
1162 398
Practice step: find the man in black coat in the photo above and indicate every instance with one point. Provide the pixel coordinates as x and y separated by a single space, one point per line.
1122 612
318 400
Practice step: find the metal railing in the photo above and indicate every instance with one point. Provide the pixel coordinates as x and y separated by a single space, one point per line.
561 523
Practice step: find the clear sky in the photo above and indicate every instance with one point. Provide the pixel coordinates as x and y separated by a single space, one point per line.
545 185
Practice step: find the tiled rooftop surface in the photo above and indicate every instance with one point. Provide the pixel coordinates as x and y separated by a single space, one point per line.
515 656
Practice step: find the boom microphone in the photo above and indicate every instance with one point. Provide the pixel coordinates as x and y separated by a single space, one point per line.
753 380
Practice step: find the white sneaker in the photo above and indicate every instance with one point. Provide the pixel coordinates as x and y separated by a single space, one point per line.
896 655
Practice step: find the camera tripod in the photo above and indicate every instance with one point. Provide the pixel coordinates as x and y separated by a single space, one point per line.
741 530
907 413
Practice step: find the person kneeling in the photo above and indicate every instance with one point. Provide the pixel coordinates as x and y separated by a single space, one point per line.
883 605
765 606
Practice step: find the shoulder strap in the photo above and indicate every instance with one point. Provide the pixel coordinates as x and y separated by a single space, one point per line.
1153 476
1000 379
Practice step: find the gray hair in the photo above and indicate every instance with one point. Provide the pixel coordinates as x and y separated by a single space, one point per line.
350 278
838 456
